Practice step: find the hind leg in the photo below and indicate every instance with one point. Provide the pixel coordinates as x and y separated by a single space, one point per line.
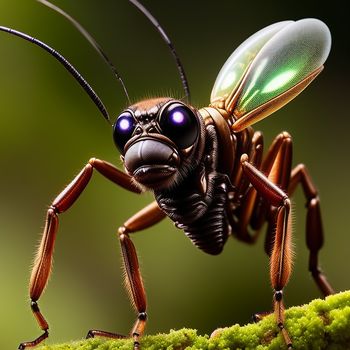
255 209
314 228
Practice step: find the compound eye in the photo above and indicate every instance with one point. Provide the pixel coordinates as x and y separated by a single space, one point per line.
179 123
123 130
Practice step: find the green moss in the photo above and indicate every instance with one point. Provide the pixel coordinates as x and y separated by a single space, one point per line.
322 324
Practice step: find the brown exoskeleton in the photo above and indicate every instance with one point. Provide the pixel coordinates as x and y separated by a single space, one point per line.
206 166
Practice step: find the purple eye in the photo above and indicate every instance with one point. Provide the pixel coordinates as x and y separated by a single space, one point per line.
179 123
178 117
123 130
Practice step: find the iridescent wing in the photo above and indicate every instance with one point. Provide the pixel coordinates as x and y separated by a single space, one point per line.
271 68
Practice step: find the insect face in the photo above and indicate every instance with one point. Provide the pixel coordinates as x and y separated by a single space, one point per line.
158 140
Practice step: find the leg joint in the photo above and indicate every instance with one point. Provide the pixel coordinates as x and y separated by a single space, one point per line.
123 231
142 316
313 201
285 135
315 271
278 295
286 202
53 210
92 161
34 306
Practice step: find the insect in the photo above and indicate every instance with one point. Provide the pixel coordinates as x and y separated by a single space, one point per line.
206 167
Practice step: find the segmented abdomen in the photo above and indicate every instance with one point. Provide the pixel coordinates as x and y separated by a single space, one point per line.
210 232
208 229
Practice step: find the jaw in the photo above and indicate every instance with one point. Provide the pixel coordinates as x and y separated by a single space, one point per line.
155 177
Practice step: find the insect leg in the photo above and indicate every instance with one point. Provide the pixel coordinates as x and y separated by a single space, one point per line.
146 217
43 260
249 210
281 256
277 165
314 229
255 209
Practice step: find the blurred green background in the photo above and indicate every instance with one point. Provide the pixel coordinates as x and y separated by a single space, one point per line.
49 129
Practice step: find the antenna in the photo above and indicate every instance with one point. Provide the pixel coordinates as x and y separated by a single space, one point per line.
90 39
69 67
169 43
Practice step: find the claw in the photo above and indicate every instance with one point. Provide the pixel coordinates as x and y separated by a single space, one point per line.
260 315
35 342
89 334
92 333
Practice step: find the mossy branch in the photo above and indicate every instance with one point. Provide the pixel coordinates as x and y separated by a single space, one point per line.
321 324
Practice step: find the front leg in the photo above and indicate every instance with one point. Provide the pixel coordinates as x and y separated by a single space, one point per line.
281 256
43 260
